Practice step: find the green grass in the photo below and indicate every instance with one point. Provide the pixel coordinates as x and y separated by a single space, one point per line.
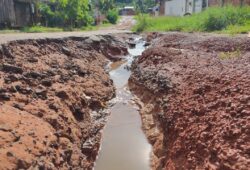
38 29
229 19
42 29
229 55
7 31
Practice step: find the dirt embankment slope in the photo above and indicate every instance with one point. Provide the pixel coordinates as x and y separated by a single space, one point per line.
196 91
52 96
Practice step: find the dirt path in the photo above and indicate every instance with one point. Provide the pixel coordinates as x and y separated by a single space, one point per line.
124 26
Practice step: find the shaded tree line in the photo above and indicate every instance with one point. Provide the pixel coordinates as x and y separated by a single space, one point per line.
75 13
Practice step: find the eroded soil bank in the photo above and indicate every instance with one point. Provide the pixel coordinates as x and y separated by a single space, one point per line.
195 93
53 95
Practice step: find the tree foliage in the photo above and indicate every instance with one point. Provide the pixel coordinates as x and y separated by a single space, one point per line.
143 5
73 13
112 16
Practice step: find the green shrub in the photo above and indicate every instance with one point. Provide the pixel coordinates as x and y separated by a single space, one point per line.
66 13
227 19
142 23
112 16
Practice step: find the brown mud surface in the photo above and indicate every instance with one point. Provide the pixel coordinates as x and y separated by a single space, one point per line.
53 95
195 93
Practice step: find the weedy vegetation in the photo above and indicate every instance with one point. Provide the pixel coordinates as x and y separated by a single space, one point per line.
228 19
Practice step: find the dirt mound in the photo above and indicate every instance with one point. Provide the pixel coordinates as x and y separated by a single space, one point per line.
196 94
53 95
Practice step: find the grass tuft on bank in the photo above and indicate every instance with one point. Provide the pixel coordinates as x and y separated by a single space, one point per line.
229 19
38 29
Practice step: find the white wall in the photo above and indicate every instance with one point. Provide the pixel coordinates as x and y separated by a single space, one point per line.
179 8
175 8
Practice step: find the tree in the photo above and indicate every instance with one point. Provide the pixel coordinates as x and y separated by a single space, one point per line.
105 5
74 11
143 5
70 12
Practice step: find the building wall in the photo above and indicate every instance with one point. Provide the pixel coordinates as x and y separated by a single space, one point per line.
7 14
18 13
23 13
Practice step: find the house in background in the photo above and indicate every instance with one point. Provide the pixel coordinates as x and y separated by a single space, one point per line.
187 7
127 10
184 7
18 13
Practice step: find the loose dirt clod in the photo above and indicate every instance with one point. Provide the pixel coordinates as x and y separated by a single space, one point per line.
196 104
50 92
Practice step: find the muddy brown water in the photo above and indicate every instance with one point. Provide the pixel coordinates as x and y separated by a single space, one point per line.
124 145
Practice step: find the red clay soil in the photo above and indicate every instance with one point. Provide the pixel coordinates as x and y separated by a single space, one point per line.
196 94
53 95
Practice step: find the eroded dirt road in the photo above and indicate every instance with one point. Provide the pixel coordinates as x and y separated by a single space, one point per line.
53 96
124 26
196 94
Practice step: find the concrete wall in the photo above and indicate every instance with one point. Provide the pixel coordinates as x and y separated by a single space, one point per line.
175 8
182 7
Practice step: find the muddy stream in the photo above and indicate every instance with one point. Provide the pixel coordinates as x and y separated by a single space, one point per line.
124 145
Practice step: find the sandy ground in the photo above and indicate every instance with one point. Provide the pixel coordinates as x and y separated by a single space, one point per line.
124 26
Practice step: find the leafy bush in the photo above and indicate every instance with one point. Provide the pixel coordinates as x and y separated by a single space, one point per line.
67 13
221 18
112 16
142 23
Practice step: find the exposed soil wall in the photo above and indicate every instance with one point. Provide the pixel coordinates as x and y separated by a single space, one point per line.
195 90
53 93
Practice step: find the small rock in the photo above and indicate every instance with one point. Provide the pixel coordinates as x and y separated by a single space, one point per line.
82 72
18 106
12 69
5 96
23 90
10 154
47 82
147 44
10 78
66 51
5 128
41 92
131 44
62 94
32 60
54 107
2 90
34 75
87 147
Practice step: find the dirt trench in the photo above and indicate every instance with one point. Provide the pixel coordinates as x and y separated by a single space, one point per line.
194 93
54 97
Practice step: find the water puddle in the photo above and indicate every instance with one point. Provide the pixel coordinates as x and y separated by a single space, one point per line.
124 145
